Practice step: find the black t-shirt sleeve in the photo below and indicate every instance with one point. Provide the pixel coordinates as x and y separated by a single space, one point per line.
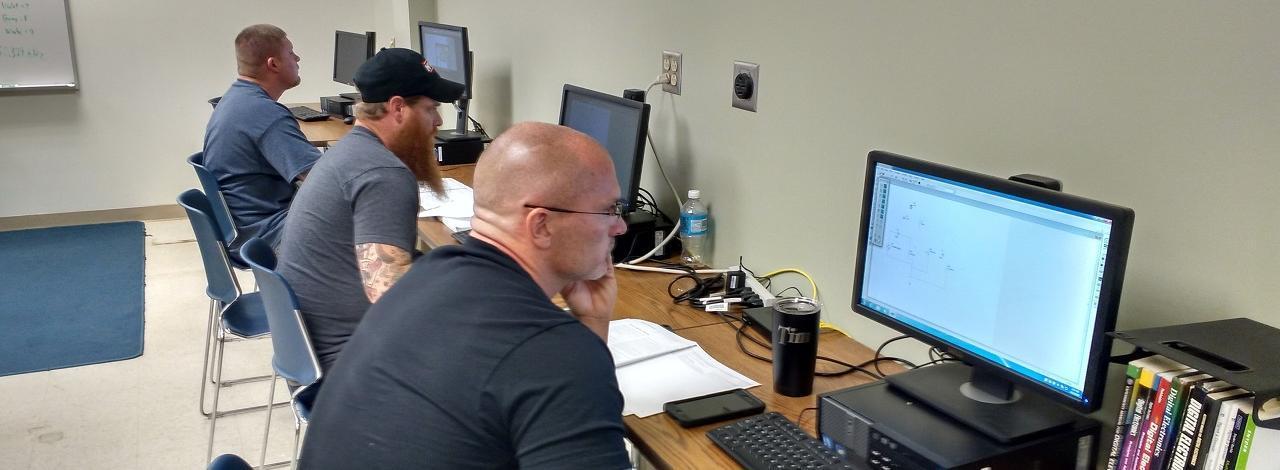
560 400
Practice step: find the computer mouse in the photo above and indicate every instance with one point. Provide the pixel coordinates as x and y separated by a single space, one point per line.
349 120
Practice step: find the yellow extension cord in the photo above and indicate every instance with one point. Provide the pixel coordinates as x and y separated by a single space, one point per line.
813 286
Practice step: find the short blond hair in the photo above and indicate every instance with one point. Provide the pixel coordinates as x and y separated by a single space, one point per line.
254 45
374 111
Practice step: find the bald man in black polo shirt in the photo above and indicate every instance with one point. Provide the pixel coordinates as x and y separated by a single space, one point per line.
466 363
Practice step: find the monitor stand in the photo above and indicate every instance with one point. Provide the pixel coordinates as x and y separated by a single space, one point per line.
983 401
350 96
460 133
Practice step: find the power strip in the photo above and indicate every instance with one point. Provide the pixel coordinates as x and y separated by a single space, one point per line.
758 288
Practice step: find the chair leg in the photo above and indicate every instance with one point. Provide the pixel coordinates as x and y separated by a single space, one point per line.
297 433
213 417
266 431
205 373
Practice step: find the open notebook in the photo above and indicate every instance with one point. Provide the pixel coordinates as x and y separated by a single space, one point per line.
655 366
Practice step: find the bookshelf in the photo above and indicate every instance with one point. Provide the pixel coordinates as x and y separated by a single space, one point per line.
1239 351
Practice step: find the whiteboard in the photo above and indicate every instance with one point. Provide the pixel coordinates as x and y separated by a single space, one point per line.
35 46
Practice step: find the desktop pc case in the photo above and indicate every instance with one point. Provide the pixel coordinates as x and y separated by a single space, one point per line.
880 428
644 231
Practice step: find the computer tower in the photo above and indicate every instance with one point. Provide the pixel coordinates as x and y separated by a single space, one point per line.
880 428
459 152
644 231
336 105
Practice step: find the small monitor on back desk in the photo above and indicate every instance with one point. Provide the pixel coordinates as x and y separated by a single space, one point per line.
350 50
445 47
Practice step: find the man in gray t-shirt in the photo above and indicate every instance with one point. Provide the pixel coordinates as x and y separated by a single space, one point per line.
351 230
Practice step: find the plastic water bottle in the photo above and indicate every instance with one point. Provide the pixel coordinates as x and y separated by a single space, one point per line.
695 228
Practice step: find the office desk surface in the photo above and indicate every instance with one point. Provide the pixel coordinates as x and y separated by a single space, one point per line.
644 295
668 445
322 133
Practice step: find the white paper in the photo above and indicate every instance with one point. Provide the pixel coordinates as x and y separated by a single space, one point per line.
632 340
655 366
456 202
687 373
456 224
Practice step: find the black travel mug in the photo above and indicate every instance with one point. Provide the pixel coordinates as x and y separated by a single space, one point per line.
795 345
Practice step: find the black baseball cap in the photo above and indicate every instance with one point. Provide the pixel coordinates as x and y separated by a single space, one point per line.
402 72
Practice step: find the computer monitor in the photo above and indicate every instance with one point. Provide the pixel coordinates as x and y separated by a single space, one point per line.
349 51
1020 282
619 124
446 49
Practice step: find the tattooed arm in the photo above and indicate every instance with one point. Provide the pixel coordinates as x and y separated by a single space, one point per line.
380 267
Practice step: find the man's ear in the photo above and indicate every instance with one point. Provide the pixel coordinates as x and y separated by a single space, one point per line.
273 65
537 225
398 107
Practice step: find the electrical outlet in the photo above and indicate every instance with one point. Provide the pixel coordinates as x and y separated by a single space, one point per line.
671 72
746 85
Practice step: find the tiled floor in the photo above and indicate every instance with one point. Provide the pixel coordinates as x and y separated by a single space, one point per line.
142 413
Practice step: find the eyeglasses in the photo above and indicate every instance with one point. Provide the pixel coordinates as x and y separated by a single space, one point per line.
615 211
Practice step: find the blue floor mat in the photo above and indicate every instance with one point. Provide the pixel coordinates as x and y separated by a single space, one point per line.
70 296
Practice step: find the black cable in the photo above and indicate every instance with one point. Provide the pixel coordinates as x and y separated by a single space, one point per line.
784 291
850 368
880 349
479 128
800 417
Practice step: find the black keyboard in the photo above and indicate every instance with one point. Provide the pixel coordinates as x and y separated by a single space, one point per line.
771 441
303 113
461 236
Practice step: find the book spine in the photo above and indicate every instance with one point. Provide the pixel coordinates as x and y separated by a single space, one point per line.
1205 436
1155 418
1173 417
1122 419
1237 436
1129 456
1182 449
1246 443
1221 433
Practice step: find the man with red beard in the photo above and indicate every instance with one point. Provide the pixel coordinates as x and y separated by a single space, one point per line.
351 231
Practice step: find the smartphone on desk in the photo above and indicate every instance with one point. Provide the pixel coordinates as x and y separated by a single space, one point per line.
717 406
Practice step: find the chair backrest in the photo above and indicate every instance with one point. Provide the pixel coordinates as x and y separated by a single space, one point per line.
213 250
229 462
295 357
213 191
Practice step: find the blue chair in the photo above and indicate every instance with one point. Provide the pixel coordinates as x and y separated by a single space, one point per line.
226 224
238 315
293 358
229 462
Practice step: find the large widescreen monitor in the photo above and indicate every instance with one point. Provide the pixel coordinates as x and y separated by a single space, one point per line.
619 124
1019 281
349 51
446 49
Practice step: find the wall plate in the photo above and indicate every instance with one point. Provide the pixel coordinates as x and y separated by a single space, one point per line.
745 85
671 68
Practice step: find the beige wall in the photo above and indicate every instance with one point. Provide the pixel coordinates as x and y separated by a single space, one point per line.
146 68
1170 108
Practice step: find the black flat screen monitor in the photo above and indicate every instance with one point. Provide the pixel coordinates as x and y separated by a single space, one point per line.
1019 281
349 51
619 124
446 49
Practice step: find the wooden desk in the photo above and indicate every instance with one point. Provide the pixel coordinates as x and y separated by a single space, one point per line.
322 133
643 295
667 445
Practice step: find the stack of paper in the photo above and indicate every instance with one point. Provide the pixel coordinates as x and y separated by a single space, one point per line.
454 207
655 366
